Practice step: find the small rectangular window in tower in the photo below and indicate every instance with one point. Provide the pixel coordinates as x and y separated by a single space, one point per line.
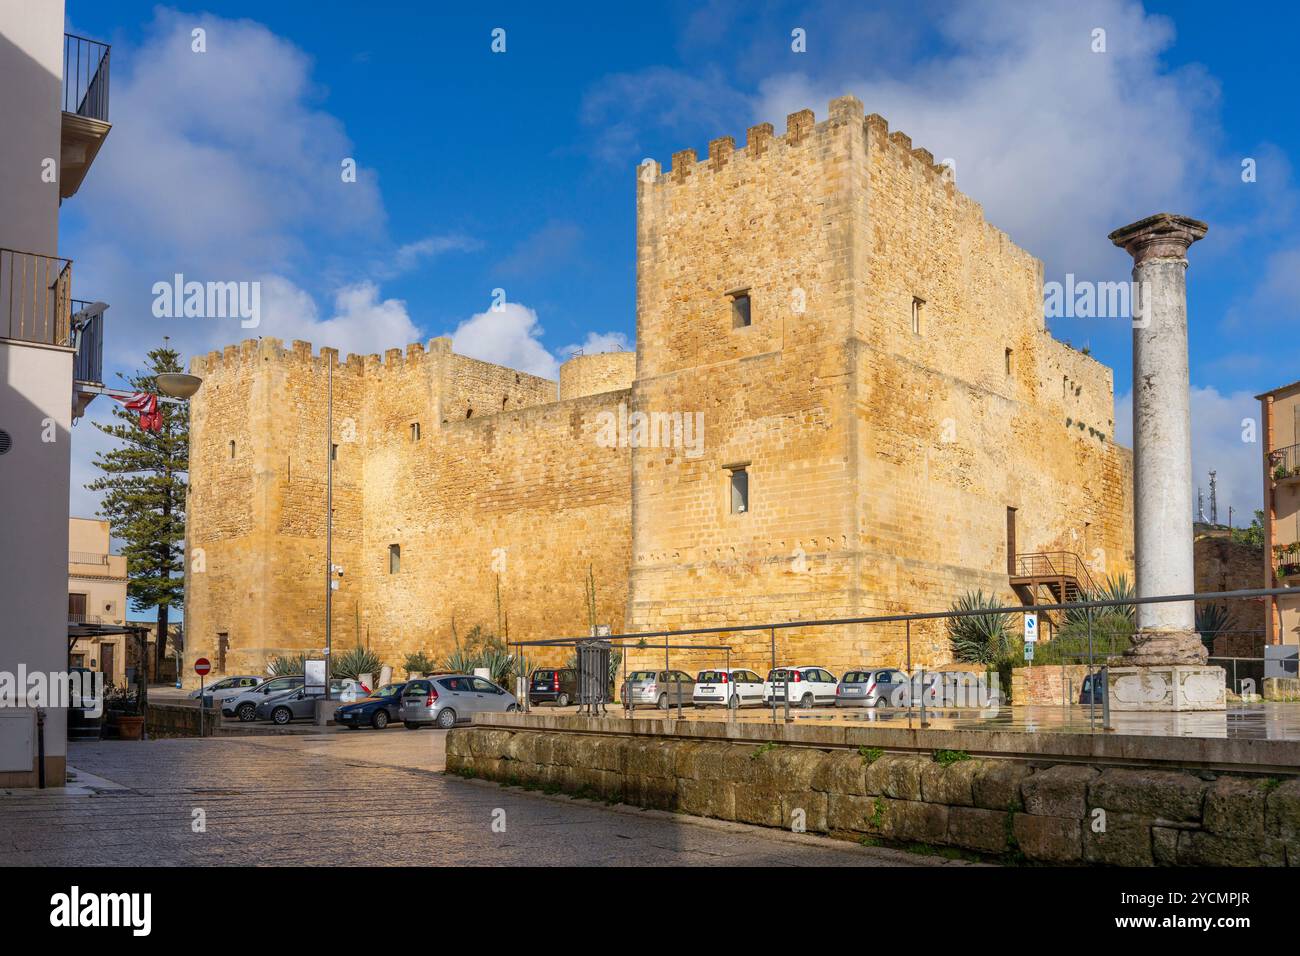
917 306
394 558
232 448
334 452
415 431
739 486
1007 360
741 316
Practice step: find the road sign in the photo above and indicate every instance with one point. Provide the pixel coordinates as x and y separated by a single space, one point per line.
1029 652
1031 628
202 666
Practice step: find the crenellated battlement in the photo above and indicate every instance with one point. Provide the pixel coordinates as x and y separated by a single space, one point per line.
300 355
801 131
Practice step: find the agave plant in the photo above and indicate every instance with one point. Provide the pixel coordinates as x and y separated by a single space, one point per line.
356 662
1118 588
1211 621
979 638
287 666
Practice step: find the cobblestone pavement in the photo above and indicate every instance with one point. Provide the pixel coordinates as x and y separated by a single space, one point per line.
356 798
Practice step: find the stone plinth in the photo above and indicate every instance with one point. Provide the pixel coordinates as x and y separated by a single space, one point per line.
1165 687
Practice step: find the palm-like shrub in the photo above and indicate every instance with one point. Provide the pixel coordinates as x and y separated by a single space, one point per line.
287 666
979 638
1211 621
1118 588
419 663
356 662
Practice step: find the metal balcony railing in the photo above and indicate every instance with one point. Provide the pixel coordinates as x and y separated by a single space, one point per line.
85 77
1054 564
1284 462
35 300
88 337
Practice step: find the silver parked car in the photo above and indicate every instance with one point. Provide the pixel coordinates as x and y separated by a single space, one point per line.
445 699
300 703
658 688
219 690
244 706
871 688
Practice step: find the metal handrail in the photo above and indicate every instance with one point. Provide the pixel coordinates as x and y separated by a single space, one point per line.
85 77
1288 458
87 557
35 297
926 616
1054 564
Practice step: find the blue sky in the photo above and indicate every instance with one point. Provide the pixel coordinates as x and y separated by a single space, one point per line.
516 171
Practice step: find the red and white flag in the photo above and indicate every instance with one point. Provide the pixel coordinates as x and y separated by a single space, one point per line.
147 406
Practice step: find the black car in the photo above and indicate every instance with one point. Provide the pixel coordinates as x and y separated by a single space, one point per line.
377 711
553 685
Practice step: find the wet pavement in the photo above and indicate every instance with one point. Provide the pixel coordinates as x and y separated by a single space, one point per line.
357 798
1263 721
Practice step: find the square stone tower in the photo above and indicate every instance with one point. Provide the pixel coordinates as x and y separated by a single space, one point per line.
887 421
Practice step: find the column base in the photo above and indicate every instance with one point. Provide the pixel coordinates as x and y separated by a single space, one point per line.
1166 688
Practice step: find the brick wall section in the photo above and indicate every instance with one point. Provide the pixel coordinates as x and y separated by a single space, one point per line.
1225 565
997 807
1047 684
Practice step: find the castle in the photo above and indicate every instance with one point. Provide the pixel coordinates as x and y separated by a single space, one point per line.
886 424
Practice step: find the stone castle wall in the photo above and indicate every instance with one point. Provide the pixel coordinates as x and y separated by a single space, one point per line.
881 460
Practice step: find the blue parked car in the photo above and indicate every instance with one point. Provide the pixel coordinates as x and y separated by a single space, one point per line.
1094 690
377 711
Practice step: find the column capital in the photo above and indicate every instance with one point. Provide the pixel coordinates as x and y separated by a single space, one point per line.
1162 236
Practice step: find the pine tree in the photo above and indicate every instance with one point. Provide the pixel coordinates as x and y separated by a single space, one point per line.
144 496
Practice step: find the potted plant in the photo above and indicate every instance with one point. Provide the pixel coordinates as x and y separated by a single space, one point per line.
1280 472
122 708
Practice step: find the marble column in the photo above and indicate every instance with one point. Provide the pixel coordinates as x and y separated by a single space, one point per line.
1165 668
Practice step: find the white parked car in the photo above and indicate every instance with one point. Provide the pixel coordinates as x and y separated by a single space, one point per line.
734 688
807 685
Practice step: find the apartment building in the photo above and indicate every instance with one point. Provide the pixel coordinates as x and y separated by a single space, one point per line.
54 119
96 595
1280 428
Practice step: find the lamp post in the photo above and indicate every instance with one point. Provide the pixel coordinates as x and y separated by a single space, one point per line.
179 388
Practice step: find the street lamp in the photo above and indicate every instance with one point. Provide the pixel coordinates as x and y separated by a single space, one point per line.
178 384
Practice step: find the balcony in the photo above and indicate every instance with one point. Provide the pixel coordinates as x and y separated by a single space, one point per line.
1284 465
35 297
85 109
36 306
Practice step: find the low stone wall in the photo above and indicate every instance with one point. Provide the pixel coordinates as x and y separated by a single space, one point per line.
1047 684
1062 813
179 720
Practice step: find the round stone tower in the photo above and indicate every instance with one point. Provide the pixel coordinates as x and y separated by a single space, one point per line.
593 374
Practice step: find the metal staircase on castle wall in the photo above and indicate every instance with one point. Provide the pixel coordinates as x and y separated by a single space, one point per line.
1050 577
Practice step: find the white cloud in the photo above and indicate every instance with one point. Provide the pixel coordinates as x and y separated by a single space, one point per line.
596 342
509 336
1061 145
360 322
1218 444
